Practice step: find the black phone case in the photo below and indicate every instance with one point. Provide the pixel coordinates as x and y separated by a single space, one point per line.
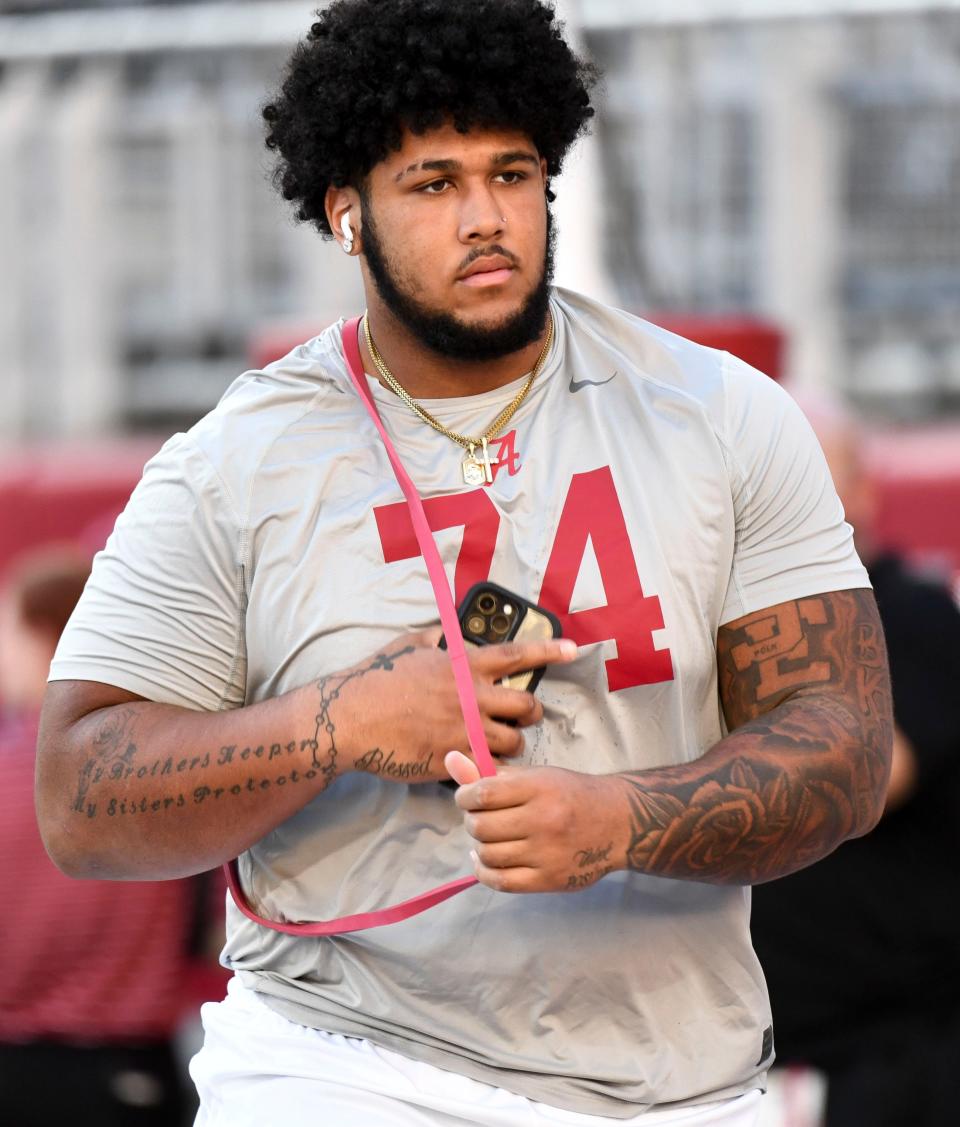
489 585
462 612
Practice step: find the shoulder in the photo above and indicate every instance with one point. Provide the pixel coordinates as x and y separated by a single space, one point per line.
231 442
722 386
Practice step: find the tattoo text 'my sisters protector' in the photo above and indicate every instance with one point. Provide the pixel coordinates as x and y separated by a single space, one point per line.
108 780
806 696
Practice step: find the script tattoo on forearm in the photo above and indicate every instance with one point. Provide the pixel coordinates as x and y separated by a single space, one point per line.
806 695
379 762
116 758
113 753
119 807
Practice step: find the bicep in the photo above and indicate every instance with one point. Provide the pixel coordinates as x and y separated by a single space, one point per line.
808 679
66 705
829 644
67 702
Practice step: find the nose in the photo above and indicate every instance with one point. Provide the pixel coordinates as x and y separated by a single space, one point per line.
481 217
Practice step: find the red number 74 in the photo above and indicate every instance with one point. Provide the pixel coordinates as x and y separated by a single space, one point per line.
591 512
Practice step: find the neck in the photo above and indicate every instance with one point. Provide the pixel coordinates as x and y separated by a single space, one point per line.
425 374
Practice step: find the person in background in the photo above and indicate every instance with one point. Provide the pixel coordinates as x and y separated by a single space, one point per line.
860 951
92 971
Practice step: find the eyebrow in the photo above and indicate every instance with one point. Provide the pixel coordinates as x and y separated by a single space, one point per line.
512 156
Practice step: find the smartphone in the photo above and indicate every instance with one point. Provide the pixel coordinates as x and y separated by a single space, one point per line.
490 614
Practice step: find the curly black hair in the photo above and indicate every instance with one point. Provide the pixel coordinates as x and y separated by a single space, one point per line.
369 69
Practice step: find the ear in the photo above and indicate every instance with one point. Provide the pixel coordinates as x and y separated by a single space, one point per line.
545 177
339 204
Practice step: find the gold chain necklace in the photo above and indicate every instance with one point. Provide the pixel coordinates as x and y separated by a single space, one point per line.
477 468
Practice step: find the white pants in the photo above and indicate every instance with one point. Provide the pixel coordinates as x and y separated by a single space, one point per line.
256 1069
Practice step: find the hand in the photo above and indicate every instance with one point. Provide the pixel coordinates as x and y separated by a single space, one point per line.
402 714
540 829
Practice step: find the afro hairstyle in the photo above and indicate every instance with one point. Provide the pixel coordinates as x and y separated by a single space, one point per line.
370 69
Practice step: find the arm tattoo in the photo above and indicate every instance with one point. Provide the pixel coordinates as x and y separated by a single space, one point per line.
114 757
330 690
806 694
112 754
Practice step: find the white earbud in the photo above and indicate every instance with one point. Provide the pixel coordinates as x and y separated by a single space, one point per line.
347 232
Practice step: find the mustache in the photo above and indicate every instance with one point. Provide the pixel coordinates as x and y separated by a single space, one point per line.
488 252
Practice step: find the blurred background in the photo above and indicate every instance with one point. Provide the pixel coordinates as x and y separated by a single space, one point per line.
776 177
781 177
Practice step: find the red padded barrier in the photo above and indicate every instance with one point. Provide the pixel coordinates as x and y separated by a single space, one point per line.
274 341
918 482
73 492
757 342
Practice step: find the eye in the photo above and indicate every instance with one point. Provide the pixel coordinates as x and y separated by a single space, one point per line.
512 176
434 187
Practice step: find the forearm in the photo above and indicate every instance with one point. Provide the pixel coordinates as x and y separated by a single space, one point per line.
131 789
806 695
150 791
779 793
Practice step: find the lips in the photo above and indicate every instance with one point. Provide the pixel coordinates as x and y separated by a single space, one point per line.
490 270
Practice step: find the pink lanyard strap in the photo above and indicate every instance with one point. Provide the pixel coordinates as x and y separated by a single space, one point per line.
461 673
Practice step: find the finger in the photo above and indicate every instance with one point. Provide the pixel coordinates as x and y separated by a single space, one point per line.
503 739
514 657
503 703
517 879
501 792
462 770
503 855
497 826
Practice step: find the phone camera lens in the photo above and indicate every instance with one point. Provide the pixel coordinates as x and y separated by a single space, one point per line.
476 624
500 624
486 603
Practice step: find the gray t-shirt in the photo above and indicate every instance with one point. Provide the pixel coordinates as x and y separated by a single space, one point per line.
648 491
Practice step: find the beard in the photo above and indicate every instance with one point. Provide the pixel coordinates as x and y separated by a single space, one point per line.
443 333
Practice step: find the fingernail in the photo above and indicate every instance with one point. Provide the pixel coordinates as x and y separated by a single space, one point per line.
474 858
568 647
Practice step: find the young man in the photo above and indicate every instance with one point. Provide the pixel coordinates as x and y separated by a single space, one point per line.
241 677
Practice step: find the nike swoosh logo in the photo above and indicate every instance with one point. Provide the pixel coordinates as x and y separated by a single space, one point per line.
578 385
